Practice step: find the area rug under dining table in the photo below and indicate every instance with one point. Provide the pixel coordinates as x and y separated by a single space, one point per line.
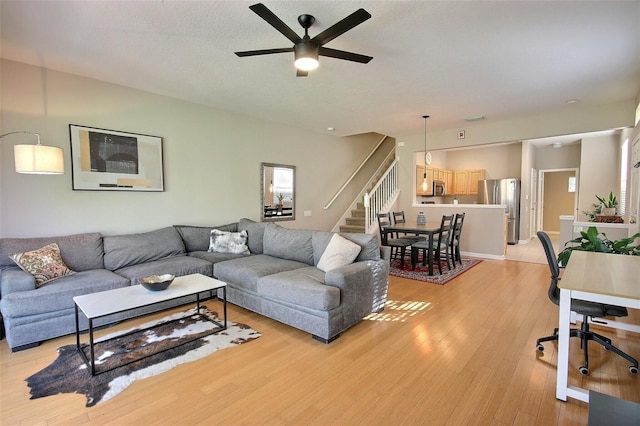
421 273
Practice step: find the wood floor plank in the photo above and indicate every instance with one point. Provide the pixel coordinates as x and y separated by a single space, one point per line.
462 353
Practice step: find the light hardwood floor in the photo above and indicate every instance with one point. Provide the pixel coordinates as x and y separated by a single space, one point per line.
462 353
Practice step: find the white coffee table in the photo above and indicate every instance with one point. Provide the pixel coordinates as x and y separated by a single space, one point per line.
105 303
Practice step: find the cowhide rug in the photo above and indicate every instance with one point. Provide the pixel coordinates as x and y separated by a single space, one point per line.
69 374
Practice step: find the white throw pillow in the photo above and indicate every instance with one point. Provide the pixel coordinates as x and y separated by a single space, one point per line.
228 242
339 252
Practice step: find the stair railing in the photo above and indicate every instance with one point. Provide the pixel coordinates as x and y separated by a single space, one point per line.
381 196
353 175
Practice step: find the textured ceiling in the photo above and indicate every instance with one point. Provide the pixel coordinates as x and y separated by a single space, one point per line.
451 60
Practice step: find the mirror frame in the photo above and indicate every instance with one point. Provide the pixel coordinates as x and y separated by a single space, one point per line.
263 188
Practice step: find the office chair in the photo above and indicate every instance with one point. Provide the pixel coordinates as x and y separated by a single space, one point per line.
455 239
441 248
587 309
384 220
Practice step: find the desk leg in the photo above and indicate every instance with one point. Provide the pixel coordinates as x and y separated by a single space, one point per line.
563 345
430 254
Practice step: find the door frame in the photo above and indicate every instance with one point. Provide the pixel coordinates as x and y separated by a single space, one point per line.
540 201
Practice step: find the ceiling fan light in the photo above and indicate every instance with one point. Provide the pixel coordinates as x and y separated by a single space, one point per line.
306 56
306 64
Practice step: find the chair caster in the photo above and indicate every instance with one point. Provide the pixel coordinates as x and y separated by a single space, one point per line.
539 347
633 369
583 370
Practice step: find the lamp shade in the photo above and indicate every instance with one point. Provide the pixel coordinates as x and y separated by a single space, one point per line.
306 55
38 159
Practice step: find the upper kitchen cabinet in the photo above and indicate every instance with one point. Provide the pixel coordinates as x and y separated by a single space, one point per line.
465 182
420 190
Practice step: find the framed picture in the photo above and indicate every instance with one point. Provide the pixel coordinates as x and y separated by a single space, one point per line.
110 160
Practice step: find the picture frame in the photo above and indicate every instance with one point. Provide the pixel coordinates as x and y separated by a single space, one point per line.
111 160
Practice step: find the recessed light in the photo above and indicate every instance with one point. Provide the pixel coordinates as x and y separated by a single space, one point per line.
573 101
557 145
331 129
476 118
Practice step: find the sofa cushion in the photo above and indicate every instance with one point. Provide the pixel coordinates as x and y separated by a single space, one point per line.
291 244
339 252
255 232
196 238
45 264
370 250
177 265
133 249
302 287
58 295
214 257
228 242
81 252
244 272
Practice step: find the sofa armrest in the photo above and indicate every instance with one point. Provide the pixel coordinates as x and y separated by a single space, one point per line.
15 279
363 288
385 253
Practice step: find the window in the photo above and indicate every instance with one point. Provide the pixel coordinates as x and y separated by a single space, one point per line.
572 184
282 184
624 166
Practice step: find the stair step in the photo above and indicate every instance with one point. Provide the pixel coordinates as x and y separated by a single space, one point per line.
351 228
357 221
357 213
360 206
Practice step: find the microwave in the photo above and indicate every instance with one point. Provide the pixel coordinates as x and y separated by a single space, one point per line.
438 188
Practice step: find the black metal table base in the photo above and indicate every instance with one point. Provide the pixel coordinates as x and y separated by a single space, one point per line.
89 359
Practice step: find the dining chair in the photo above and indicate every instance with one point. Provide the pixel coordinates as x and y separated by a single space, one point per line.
455 239
441 248
398 218
587 309
396 244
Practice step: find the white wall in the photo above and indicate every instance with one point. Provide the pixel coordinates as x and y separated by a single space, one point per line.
211 160
599 171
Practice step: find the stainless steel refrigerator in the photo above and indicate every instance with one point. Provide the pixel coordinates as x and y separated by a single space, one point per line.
507 192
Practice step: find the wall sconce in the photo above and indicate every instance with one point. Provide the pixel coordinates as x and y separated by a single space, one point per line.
37 159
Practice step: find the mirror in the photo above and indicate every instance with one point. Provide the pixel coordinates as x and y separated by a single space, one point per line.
278 192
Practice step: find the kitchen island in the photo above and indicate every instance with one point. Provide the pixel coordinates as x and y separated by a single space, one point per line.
484 229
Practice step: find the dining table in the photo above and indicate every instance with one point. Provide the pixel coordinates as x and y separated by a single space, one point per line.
597 277
429 229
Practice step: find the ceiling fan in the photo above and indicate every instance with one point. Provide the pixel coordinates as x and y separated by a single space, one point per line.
307 49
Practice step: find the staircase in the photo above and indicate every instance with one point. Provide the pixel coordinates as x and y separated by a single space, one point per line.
357 221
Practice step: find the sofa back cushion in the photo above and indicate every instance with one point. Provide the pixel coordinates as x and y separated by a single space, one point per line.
370 250
196 238
255 234
133 249
290 244
81 252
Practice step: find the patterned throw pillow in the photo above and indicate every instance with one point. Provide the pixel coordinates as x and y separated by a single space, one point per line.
228 242
45 264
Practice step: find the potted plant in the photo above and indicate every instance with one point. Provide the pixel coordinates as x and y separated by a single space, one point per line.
592 240
279 205
609 204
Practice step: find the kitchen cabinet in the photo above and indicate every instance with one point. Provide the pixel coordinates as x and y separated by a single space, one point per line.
420 178
474 177
465 182
448 181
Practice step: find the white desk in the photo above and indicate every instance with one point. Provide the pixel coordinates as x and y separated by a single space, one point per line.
599 277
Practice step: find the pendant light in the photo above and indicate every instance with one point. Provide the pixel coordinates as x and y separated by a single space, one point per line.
427 155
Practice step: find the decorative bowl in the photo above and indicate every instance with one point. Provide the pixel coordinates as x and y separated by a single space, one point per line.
157 282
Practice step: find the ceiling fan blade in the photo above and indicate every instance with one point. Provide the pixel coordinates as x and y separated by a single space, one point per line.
356 18
300 73
262 11
264 52
347 56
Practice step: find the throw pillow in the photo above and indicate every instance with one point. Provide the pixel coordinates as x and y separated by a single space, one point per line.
339 252
45 264
228 242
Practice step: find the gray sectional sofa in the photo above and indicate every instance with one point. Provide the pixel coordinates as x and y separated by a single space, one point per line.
280 277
